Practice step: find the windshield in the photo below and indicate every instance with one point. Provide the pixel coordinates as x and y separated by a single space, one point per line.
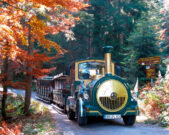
87 70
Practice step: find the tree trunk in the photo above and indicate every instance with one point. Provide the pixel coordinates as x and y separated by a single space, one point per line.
90 43
4 96
29 74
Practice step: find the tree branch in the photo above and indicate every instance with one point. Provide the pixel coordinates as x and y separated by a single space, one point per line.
5 3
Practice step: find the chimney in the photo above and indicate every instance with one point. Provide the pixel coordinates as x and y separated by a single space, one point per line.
108 62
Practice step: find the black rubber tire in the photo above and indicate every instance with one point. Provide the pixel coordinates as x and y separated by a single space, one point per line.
70 113
129 120
64 109
51 101
82 121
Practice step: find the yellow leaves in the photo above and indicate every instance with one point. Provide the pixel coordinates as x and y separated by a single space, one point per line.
48 49
11 29
37 26
50 44
25 41
59 16
7 33
6 29
11 33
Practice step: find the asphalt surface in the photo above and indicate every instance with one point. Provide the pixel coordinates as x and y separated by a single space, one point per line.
98 126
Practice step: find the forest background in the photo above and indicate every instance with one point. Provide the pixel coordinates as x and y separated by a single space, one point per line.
42 38
135 29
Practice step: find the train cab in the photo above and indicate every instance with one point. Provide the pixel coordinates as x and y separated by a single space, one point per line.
90 69
97 91
90 87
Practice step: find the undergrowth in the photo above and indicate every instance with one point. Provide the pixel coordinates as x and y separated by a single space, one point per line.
38 121
154 103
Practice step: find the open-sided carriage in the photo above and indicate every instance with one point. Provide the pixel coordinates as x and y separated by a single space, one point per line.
45 87
54 89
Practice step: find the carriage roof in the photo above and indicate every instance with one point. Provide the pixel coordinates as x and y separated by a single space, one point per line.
46 78
51 78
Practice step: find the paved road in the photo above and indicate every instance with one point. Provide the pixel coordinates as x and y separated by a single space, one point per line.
104 127
99 127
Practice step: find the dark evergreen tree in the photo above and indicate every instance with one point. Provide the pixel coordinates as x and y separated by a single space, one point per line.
165 34
113 21
106 22
143 43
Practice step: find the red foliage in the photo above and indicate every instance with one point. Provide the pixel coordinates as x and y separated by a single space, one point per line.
14 130
15 20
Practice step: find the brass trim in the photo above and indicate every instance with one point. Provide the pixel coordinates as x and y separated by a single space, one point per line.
118 109
113 68
108 65
94 60
94 112
129 111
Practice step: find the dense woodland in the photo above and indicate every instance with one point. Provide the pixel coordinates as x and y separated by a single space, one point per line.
41 38
135 29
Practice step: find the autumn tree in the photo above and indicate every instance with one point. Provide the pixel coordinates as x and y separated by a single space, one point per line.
11 35
40 18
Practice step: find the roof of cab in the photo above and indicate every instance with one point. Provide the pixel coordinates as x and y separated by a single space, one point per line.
89 58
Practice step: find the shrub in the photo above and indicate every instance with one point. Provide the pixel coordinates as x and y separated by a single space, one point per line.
154 103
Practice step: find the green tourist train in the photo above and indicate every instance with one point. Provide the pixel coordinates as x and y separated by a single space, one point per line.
90 87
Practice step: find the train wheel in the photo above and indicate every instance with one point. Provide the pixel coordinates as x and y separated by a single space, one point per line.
129 120
82 121
70 113
50 101
64 109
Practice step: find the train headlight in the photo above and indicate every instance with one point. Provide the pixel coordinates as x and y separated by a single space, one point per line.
85 96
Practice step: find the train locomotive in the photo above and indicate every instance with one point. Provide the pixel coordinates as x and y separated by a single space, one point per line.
91 89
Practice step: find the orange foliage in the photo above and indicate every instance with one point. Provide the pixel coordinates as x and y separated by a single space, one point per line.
58 14
5 130
55 16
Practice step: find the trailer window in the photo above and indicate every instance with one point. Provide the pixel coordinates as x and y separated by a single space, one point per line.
88 69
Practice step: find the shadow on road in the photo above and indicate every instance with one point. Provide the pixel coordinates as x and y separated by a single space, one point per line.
92 121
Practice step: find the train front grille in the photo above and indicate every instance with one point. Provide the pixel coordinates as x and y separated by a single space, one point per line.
112 104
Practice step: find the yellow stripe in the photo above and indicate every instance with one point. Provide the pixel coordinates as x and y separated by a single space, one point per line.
95 112
129 111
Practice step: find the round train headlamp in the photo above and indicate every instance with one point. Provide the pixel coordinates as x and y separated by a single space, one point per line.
112 95
85 96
